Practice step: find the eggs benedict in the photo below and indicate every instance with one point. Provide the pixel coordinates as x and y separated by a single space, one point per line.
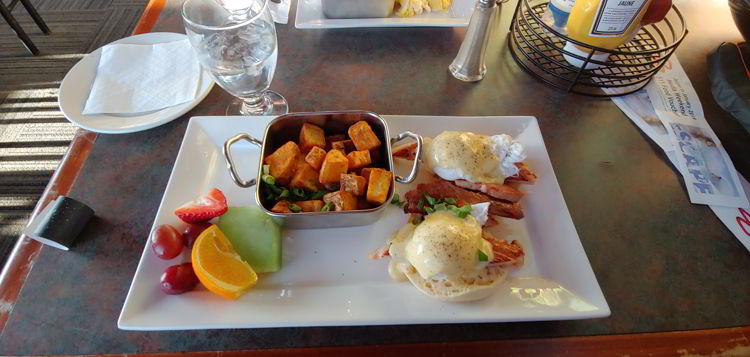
449 258
471 168
457 155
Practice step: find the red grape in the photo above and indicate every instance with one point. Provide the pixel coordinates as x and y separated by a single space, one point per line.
192 232
178 279
166 241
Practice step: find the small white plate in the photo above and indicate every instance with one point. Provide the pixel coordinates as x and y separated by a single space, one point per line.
327 279
310 16
75 88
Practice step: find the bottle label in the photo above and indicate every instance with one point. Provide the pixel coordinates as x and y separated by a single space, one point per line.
614 17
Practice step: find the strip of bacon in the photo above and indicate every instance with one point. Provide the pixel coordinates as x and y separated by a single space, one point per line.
524 175
505 253
408 151
499 191
444 189
381 252
490 222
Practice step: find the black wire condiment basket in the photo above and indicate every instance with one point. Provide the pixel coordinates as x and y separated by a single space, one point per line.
538 49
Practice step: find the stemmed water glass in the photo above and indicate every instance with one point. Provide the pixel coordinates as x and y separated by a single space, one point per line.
236 42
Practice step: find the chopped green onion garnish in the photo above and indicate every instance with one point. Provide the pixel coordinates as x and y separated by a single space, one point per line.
268 179
275 189
429 209
318 194
431 200
294 208
482 257
440 207
449 200
463 211
396 200
298 192
266 169
420 204
270 196
284 193
452 208
327 207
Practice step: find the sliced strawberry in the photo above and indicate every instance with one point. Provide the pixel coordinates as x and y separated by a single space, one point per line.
203 208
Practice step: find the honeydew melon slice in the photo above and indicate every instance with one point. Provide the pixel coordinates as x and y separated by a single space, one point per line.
255 237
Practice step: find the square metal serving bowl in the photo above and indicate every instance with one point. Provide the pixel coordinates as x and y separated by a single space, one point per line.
287 128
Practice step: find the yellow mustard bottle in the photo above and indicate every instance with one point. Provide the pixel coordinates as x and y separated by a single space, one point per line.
602 23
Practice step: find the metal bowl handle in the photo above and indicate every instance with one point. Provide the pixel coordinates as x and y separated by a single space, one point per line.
230 163
415 167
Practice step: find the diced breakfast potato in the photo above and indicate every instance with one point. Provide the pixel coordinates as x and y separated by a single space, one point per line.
378 185
344 146
363 137
354 184
315 157
339 164
358 159
341 200
281 207
283 162
333 138
365 172
306 177
310 206
333 166
311 136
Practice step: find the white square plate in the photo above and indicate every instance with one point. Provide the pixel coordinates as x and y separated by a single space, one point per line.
310 16
327 279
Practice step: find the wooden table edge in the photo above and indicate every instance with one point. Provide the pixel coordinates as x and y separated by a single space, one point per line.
716 342
731 341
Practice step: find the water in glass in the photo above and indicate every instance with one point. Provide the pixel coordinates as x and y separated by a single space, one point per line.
238 46
241 60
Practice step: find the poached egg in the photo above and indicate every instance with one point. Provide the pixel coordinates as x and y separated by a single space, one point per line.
456 155
442 247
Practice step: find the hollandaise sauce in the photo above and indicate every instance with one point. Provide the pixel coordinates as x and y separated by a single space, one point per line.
454 155
444 246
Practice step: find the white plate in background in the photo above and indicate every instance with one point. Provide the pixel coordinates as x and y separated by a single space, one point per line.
75 88
310 16
327 278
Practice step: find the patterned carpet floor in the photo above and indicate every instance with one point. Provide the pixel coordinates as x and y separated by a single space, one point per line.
34 134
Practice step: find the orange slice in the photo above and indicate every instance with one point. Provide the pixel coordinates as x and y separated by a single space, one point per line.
218 266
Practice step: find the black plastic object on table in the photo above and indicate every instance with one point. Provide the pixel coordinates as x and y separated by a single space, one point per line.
730 80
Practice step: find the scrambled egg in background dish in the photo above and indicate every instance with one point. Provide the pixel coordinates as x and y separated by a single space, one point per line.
407 8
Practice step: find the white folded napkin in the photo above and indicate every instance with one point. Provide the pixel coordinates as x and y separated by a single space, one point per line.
280 11
140 78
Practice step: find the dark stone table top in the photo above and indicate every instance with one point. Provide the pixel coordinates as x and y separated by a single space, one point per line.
664 264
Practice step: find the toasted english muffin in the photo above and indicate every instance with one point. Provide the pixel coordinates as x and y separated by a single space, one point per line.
462 290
